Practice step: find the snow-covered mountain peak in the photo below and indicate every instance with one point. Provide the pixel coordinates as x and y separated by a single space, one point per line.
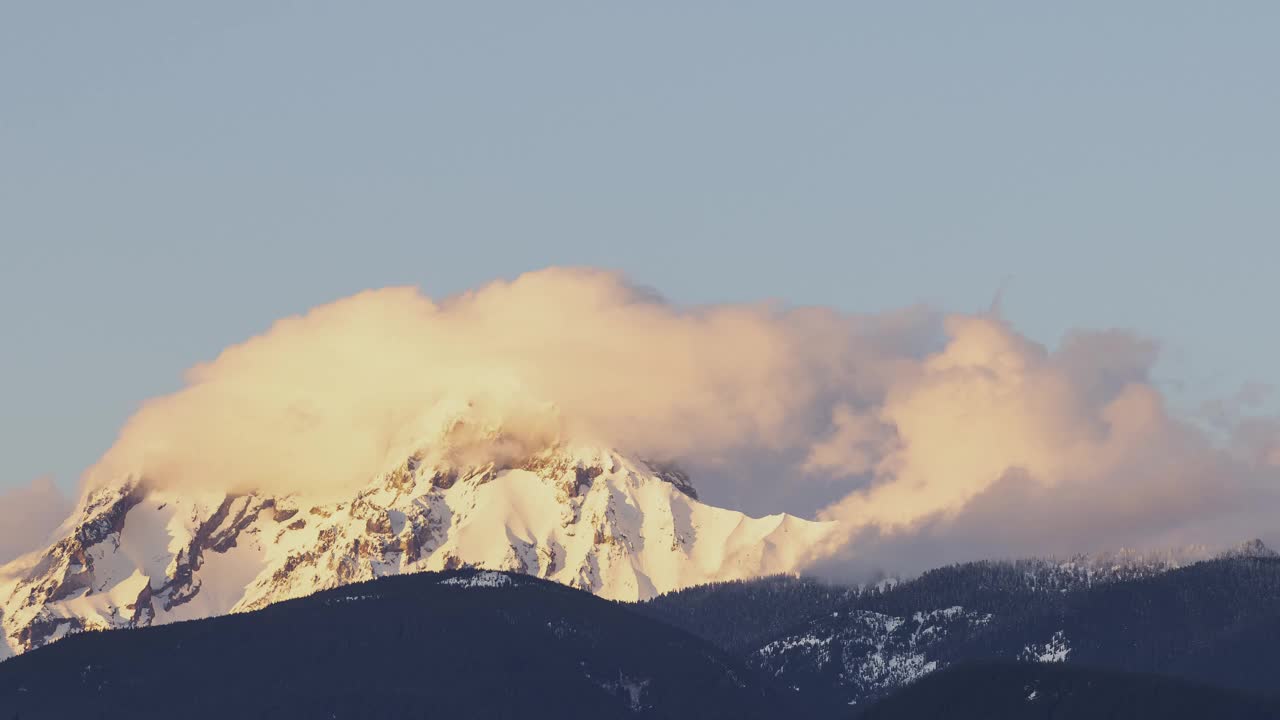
586 516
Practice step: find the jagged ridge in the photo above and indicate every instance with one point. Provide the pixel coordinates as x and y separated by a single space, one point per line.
588 518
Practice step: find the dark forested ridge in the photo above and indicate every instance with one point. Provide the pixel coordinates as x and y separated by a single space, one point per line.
1072 640
1057 691
1215 621
434 645
738 615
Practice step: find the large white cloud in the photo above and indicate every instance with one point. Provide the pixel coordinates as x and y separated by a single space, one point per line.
1000 447
901 426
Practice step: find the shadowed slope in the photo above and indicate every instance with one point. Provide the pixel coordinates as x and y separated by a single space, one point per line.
1038 691
459 644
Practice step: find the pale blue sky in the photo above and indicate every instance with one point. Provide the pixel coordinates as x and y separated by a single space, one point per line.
175 176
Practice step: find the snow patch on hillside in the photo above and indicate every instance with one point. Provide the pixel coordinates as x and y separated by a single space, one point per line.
1055 650
869 651
481 579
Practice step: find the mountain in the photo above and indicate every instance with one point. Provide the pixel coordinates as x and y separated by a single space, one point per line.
477 643
457 644
134 555
1037 691
1214 621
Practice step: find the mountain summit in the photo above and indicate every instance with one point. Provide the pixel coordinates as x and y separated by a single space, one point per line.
591 518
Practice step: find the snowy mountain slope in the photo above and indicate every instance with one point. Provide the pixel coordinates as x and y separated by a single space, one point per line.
589 518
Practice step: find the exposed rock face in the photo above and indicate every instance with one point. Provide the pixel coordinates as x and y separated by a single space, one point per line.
589 518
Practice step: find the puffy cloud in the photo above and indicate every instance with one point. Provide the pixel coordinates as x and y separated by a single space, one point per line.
28 515
912 429
1005 448
324 400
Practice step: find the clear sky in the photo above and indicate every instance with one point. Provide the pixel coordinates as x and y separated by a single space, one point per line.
175 176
